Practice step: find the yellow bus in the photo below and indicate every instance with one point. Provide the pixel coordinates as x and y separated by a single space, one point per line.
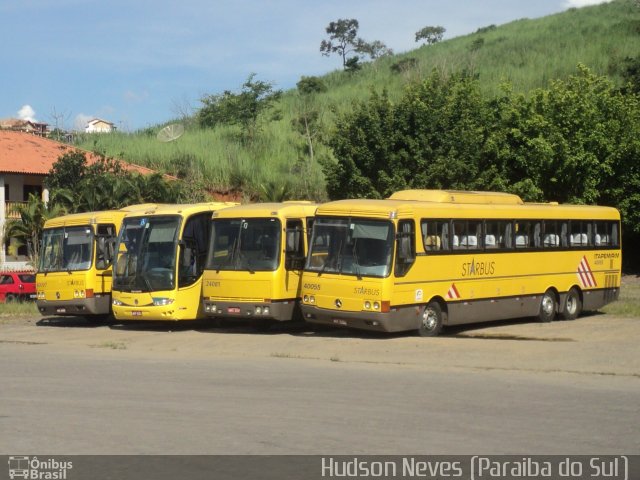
424 259
160 257
255 261
74 271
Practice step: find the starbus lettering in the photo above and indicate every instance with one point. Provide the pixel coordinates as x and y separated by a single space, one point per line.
75 283
366 291
477 269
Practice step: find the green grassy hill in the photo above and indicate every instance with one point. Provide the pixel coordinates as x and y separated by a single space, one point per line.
528 53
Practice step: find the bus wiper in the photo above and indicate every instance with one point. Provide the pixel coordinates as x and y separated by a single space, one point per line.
146 281
356 262
229 258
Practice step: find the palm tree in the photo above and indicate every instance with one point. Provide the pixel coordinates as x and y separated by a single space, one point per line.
28 229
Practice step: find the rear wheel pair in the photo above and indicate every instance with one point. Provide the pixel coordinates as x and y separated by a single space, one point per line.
549 306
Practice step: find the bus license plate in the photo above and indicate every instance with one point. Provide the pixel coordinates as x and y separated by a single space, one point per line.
233 310
136 313
61 310
339 322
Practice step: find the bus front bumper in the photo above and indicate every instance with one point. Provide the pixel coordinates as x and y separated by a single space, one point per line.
281 311
397 320
98 305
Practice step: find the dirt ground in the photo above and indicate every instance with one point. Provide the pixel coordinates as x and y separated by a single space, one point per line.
594 344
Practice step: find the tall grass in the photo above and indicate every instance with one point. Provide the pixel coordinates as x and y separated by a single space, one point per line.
526 53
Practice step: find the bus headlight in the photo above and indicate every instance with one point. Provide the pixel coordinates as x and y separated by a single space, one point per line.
312 299
367 305
116 302
78 294
265 310
305 298
162 301
258 310
376 305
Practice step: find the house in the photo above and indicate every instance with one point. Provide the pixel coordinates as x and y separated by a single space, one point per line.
25 161
15 124
97 125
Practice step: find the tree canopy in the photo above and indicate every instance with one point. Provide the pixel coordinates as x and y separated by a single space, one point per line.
255 97
577 141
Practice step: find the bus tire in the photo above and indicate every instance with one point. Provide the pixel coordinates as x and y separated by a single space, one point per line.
548 307
572 305
431 320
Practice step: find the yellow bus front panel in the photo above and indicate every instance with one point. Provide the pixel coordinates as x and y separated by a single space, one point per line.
74 293
185 304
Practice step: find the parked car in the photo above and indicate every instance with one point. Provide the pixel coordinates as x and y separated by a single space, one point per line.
17 286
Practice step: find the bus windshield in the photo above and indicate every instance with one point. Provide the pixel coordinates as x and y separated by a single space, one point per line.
66 249
250 244
351 247
146 254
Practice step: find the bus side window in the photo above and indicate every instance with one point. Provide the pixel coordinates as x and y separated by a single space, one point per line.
550 234
580 233
193 248
435 235
405 247
527 233
468 234
605 234
294 247
495 234
105 244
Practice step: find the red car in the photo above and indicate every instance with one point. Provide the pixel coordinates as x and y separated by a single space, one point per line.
17 286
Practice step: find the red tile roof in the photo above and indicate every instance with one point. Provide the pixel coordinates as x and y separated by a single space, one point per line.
30 154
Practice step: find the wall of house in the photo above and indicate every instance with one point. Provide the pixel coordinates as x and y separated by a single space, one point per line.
12 189
99 127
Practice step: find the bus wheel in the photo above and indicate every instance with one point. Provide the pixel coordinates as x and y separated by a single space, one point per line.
431 320
572 305
548 307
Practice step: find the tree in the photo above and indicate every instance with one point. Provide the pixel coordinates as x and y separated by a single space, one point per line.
67 171
430 34
241 108
431 139
375 49
307 122
105 184
28 228
342 39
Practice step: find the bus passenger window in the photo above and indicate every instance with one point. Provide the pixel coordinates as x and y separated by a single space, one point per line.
435 235
528 234
467 234
580 234
551 234
497 234
604 235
